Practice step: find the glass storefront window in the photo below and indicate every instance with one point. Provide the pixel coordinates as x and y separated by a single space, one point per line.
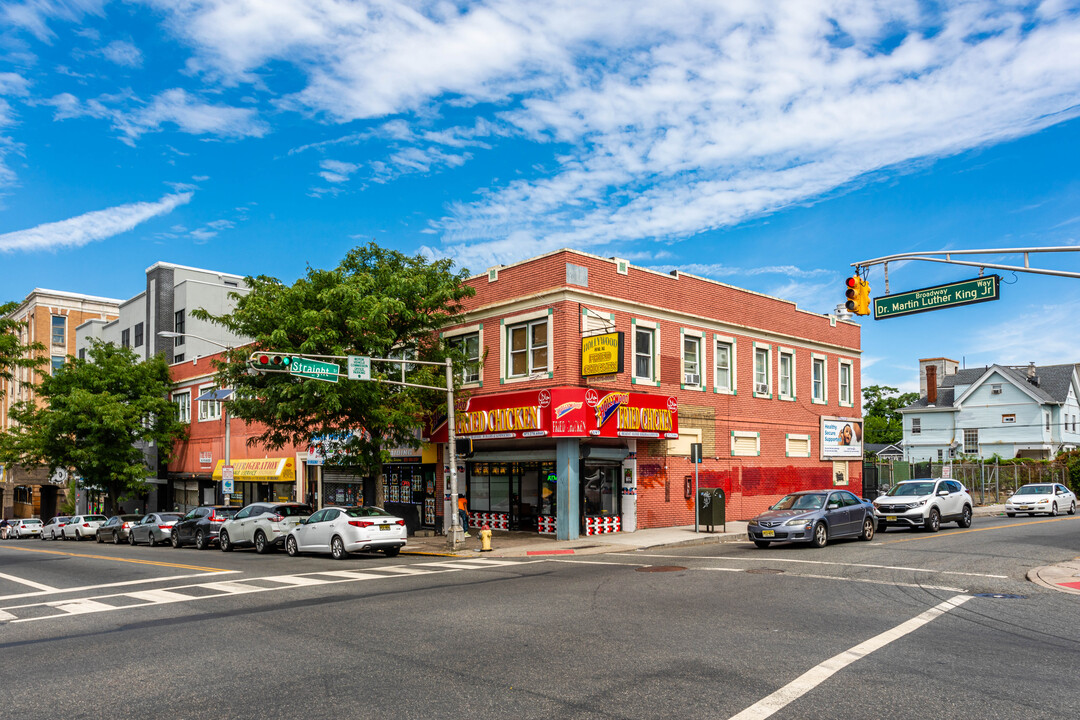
599 489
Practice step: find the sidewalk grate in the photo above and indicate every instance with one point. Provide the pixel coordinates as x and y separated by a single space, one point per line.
1001 596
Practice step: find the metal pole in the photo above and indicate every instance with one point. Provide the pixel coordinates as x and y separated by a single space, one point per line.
228 439
454 536
696 498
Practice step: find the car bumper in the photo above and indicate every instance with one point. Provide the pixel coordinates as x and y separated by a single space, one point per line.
29 533
797 533
1028 507
908 519
375 544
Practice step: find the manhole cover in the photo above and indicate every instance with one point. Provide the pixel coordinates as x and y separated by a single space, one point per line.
659 568
764 571
1001 596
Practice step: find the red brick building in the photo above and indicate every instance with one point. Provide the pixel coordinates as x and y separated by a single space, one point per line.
770 391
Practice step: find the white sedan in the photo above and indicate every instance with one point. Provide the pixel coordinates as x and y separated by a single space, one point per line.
82 527
30 527
342 530
1049 498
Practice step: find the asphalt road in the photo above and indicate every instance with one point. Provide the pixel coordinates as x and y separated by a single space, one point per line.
891 628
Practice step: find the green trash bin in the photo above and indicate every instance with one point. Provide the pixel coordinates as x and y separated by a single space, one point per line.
710 508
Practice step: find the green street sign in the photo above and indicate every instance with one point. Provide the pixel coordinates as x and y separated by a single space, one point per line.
954 294
314 369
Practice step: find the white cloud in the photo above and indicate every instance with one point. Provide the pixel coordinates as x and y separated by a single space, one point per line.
718 270
96 225
122 53
34 15
336 171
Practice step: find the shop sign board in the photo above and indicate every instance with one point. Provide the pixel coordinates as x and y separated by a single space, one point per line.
841 438
964 292
602 354
566 412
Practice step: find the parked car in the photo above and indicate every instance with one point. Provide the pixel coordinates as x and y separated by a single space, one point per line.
924 503
82 527
263 526
814 516
25 528
1049 498
342 530
116 528
55 527
200 527
154 528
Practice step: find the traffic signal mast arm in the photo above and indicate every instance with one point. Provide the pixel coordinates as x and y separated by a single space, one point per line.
945 256
281 362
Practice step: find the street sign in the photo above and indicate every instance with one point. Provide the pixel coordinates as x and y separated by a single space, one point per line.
227 479
359 367
695 452
314 369
954 294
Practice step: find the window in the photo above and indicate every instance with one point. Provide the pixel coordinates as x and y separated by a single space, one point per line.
82 353
57 363
762 371
939 455
1047 416
745 443
59 330
798 445
995 389
971 441
125 337
1009 419
724 365
183 406
691 358
528 347
138 334
469 346
787 375
916 426
208 409
845 384
24 494
178 326
817 380
643 352
178 358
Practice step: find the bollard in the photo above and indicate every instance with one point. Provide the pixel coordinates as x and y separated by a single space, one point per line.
485 538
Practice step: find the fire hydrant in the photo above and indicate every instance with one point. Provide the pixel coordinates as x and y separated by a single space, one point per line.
485 538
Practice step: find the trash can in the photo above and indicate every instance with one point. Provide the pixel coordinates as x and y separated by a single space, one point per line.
710 508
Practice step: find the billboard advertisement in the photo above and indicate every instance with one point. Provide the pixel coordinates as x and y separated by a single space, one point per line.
841 438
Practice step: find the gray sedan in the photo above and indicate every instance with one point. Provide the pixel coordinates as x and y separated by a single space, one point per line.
814 516
153 529
116 529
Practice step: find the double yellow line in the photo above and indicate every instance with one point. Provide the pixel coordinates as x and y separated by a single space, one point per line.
116 559
962 532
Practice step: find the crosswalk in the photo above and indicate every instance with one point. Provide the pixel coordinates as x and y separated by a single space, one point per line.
56 609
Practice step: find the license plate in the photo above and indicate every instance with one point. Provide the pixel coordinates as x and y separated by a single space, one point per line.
384 527
890 518
768 533
1024 507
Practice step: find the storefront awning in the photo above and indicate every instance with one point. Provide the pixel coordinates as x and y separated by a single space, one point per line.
260 470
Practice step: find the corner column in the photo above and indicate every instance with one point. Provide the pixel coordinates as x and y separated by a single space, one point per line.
568 489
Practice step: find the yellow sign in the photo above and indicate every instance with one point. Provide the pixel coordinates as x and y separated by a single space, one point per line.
260 470
602 354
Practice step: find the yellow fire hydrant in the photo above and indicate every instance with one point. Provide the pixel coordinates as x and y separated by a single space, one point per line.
485 539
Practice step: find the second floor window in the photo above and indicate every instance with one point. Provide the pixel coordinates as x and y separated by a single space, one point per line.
723 367
59 330
643 353
761 371
971 442
125 338
845 383
57 363
818 380
178 326
916 426
209 409
138 334
183 406
528 347
692 360
469 346
787 373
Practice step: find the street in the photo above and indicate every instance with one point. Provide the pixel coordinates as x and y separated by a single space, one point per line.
895 627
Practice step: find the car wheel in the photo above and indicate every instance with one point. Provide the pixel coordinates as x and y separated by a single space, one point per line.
933 520
99 538
337 548
821 535
200 540
150 539
1072 508
392 551
291 548
261 546
175 540
223 542
965 518
131 538
1011 514
1053 511
867 530
116 538
762 543
78 537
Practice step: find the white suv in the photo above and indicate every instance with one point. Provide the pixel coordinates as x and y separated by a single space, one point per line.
924 503
263 525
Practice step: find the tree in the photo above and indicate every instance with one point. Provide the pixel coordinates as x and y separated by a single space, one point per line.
882 420
92 413
376 303
13 352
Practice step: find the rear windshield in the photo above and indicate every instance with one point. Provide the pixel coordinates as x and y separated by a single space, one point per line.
915 488
292 510
1036 490
225 512
131 517
367 512
32 521
167 517
95 518
62 518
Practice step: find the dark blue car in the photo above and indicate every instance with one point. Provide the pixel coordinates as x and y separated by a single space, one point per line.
814 516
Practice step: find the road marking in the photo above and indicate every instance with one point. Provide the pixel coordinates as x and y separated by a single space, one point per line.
234 588
878 582
116 559
759 559
973 530
79 607
29 583
815 676
158 596
82 588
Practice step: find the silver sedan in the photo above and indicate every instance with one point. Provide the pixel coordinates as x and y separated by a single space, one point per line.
153 529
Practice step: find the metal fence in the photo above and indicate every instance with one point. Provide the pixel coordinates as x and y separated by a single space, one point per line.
988 483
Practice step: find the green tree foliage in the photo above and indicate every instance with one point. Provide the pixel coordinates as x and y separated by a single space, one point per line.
882 420
376 303
13 353
92 413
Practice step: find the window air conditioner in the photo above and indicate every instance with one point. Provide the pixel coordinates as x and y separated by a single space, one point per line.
692 379
761 388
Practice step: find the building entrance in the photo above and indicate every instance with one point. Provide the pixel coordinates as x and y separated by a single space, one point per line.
512 496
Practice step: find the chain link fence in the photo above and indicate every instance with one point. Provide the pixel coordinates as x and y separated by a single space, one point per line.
989 483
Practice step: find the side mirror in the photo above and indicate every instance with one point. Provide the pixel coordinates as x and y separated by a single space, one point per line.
942 493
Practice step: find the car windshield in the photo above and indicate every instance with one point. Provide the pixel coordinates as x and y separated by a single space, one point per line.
800 502
165 517
1036 490
32 521
915 488
95 518
367 512
292 510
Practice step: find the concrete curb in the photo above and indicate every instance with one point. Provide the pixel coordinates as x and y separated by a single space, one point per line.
1054 577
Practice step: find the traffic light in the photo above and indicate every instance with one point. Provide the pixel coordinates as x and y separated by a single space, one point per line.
270 362
858 296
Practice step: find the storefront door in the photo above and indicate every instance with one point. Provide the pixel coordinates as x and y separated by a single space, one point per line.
599 495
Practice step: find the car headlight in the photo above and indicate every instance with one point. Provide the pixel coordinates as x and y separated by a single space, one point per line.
1044 501
752 521
800 521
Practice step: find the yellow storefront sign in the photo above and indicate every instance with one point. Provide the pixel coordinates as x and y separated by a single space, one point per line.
260 470
602 354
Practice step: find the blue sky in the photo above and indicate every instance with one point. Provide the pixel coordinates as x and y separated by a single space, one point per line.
764 144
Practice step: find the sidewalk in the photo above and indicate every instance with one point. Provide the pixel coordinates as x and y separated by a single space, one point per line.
1064 577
